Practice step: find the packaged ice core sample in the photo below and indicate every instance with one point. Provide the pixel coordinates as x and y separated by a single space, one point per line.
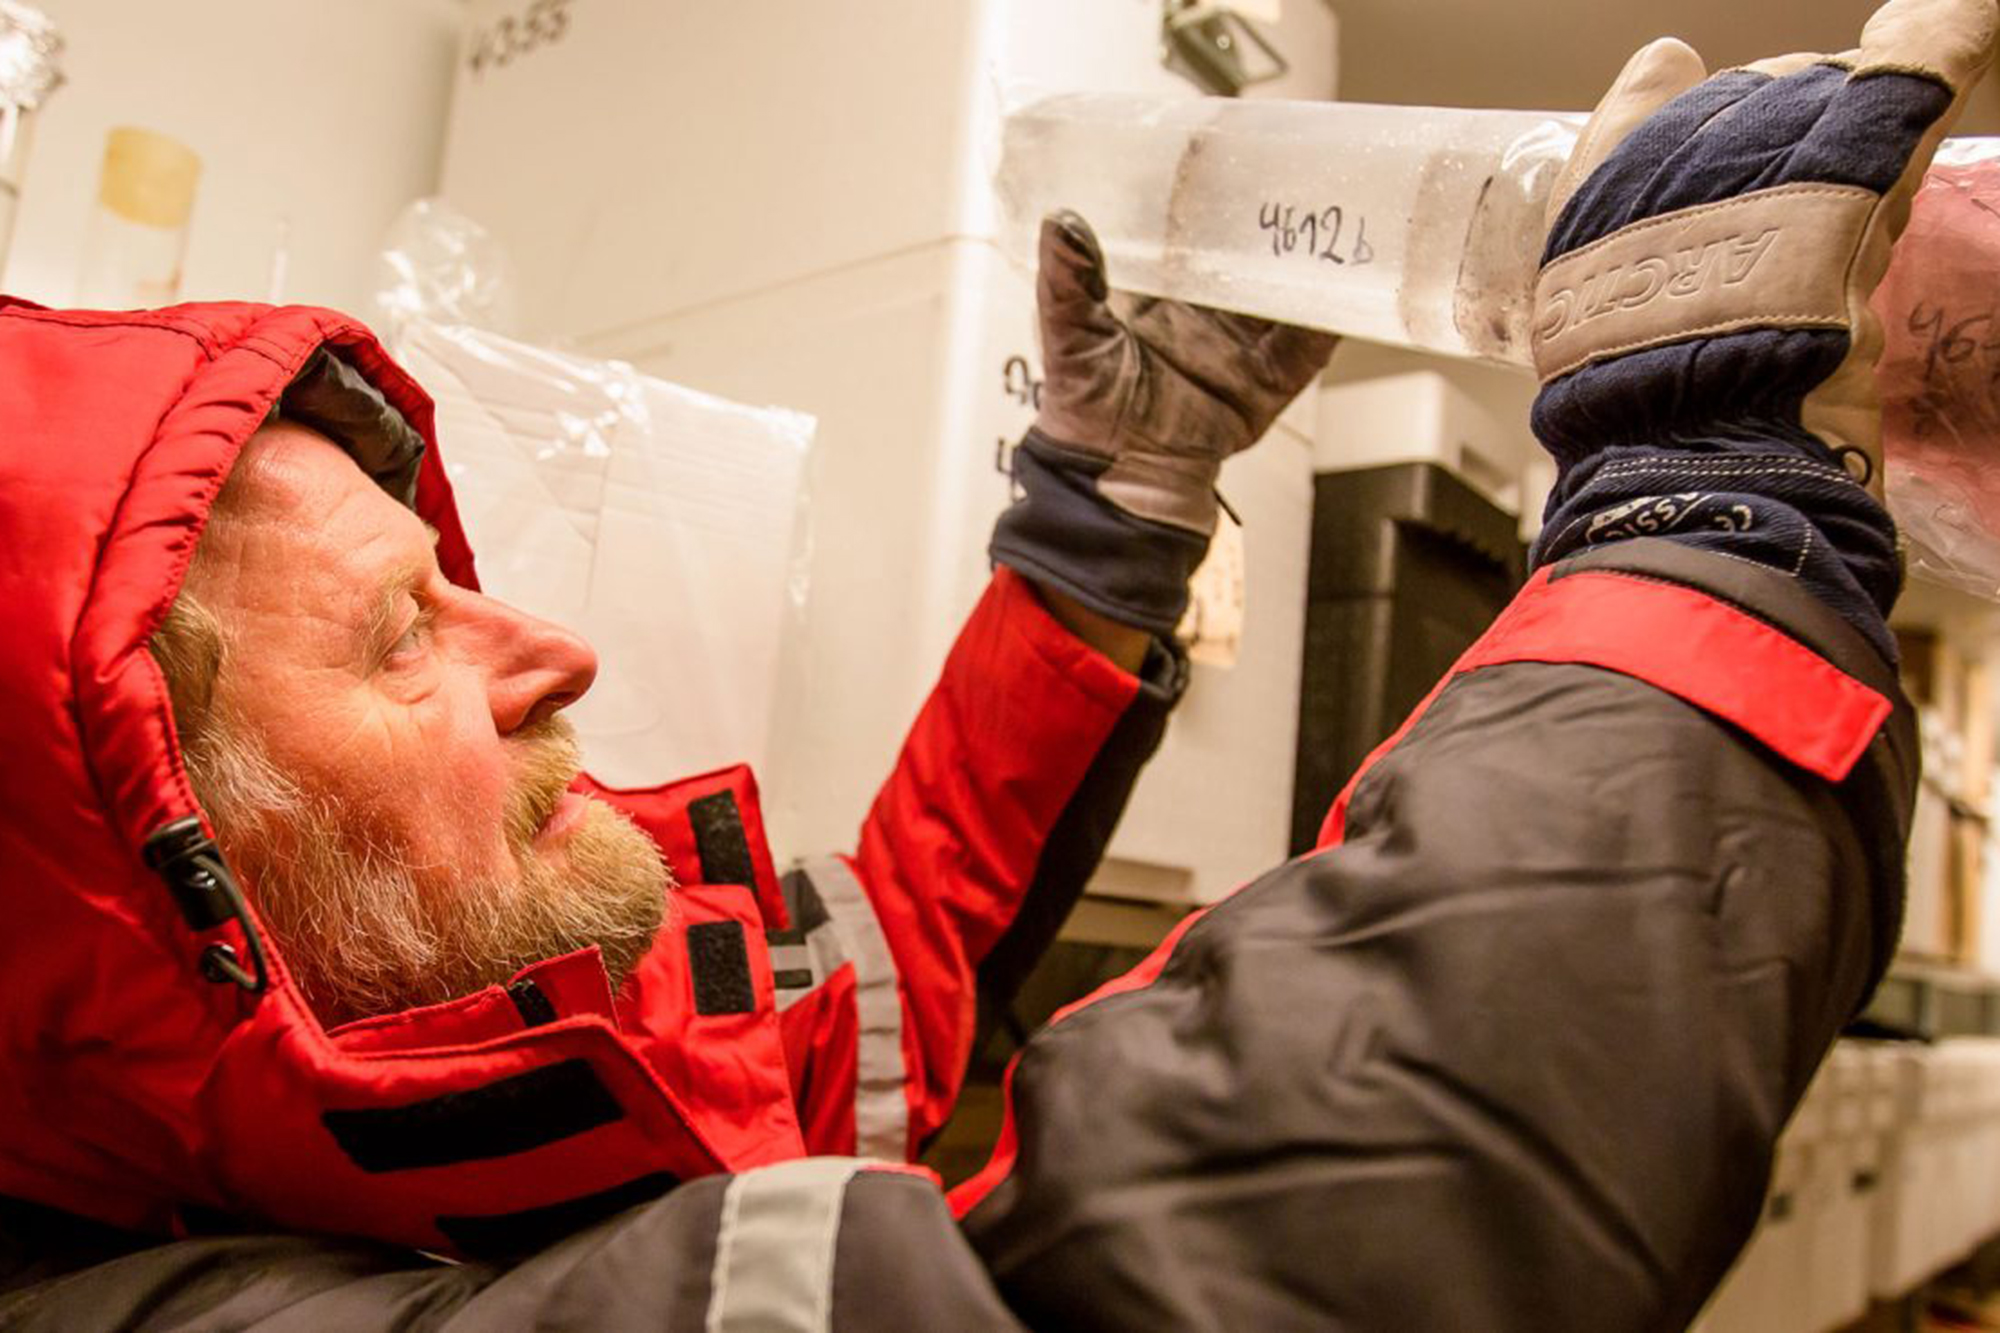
1939 375
1423 227
1418 226
1410 225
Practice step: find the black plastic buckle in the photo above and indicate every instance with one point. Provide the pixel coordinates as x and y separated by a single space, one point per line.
183 855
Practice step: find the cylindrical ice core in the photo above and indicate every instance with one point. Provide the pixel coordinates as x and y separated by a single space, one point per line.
1417 226
1423 228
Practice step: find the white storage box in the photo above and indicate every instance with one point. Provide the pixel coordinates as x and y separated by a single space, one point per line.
751 201
1844 1165
1761 1294
658 522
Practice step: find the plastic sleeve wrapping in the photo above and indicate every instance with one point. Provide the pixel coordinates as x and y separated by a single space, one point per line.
1939 374
29 49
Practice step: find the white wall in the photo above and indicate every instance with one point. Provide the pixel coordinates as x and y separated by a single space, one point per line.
314 121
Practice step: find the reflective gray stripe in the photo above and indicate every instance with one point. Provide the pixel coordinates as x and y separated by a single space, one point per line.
774 1248
821 954
792 958
881 1106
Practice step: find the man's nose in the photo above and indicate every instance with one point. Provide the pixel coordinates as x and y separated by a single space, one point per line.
536 667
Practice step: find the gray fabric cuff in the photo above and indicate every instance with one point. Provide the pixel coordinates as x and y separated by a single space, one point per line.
1062 533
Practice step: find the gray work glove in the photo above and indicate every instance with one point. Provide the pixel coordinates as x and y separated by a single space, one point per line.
1142 400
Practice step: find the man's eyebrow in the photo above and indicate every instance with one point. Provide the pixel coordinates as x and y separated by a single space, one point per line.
384 614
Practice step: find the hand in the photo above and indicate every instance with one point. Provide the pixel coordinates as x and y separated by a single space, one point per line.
1141 402
1156 393
1714 241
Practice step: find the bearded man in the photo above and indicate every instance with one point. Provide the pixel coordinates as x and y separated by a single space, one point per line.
324 954
382 751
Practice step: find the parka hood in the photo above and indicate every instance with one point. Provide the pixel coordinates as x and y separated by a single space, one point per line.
138 1083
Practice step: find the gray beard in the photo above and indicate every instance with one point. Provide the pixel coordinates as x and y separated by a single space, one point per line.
364 931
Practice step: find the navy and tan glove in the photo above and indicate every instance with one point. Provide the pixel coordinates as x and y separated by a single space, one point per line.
1702 328
1142 400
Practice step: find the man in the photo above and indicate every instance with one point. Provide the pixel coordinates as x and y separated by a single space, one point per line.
1509 1051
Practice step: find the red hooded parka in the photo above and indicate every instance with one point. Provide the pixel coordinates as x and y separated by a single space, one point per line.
140 1084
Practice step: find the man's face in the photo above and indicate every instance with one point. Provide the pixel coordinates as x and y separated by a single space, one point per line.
387 766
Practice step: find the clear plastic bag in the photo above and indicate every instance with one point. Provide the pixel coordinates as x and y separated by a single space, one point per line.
29 47
440 266
667 526
1940 371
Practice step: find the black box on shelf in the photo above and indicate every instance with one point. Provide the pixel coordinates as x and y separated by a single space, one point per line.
1409 564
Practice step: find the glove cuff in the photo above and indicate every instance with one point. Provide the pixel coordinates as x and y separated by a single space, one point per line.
1063 533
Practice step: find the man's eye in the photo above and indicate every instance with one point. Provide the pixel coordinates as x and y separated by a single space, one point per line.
410 646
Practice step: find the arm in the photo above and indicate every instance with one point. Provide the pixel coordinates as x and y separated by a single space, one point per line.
1122 644
1512 1049
861 1248
996 813
1016 770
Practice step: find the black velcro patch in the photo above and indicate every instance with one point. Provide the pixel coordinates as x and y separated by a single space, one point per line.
719 840
719 960
509 1115
535 1007
507 1235
792 978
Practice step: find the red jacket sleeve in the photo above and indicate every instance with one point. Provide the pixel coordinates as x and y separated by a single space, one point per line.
993 818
